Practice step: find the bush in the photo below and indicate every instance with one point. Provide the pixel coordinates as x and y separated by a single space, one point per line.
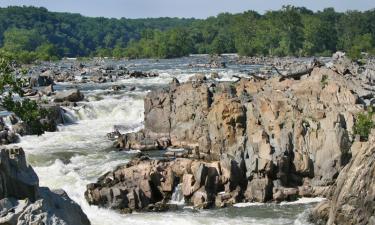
364 124
27 110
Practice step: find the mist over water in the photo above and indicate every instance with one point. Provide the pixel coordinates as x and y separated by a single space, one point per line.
80 152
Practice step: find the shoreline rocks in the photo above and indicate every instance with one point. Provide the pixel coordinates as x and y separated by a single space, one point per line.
22 201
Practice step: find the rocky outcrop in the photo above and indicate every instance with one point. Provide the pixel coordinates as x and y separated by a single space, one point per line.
145 184
353 198
275 128
22 201
256 140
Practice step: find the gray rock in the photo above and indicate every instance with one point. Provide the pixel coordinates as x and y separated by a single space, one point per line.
22 201
353 199
70 96
17 178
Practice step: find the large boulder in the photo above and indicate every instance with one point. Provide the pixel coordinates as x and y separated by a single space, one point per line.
18 179
69 96
42 80
52 207
22 201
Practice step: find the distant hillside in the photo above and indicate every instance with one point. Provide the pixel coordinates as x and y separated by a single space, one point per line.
27 33
77 35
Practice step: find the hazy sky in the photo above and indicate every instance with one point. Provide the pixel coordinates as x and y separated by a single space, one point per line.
181 8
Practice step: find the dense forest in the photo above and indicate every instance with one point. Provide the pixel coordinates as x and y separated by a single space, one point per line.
27 33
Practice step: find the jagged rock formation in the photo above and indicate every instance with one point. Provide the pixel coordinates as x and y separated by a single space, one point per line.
22 201
276 140
353 197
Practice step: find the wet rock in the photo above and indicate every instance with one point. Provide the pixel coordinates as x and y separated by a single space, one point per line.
140 74
320 213
70 96
117 87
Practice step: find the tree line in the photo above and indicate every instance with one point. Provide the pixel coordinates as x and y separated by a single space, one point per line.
291 31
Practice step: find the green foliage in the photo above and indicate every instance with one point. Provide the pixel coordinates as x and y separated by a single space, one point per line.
29 112
324 80
73 35
361 43
16 40
364 124
29 33
25 109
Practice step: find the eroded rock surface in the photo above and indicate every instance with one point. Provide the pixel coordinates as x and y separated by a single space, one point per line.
22 201
253 140
353 198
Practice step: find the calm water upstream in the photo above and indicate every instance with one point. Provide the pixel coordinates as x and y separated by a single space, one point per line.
79 153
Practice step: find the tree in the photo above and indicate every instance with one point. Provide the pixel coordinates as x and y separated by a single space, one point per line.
17 40
361 43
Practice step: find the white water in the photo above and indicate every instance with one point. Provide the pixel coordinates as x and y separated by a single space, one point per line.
177 196
80 152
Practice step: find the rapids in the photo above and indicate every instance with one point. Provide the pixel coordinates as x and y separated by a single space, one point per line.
80 152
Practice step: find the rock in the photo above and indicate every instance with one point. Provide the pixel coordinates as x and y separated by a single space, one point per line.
97 77
20 128
20 183
320 213
48 90
117 87
259 190
140 74
132 88
215 75
45 79
252 140
69 96
147 182
22 201
13 119
353 199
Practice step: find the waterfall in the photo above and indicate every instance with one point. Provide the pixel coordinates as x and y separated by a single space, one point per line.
68 116
177 196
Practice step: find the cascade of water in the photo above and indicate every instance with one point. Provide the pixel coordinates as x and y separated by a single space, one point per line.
177 196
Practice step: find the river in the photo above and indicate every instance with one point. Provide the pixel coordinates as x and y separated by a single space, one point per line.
80 152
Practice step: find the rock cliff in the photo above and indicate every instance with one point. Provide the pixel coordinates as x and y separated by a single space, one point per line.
353 198
251 140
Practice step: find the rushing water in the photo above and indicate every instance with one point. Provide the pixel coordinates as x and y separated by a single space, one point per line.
79 152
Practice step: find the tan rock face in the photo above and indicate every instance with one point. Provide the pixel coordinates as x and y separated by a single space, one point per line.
263 136
353 199
144 182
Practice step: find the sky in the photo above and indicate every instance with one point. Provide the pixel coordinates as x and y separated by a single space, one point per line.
182 8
